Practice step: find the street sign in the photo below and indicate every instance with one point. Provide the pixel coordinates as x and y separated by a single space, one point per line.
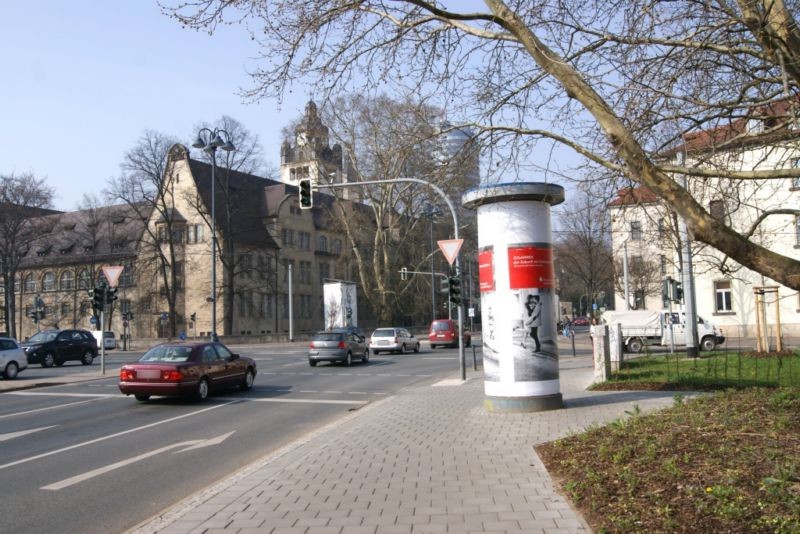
450 248
471 312
93 320
164 316
112 273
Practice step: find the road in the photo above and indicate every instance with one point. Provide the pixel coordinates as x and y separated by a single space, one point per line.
84 458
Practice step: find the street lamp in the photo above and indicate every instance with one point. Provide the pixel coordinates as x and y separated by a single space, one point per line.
210 140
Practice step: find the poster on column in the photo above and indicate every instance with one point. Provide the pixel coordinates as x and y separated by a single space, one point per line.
491 354
531 279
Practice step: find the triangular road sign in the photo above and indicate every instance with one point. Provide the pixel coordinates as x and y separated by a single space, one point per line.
112 273
450 248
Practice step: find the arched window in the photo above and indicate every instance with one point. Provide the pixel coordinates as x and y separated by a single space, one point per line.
30 284
337 246
322 245
67 281
84 280
49 281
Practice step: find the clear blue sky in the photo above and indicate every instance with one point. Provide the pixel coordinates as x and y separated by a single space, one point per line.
82 81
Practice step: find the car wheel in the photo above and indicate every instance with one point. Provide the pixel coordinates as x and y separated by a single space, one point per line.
48 360
87 358
12 370
635 345
416 348
201 393
403 348
247 382
365 358
433 346
349 361
141 397
312 363
707 344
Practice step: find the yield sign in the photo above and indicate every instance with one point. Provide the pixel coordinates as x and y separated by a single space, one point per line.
450 248
112 272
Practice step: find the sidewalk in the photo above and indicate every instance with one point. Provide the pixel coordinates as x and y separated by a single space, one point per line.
430 459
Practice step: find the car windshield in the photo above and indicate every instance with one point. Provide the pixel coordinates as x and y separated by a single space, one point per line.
42 337
167 354
441 326
328 336
383 332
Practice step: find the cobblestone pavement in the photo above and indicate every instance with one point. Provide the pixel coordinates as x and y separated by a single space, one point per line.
429 459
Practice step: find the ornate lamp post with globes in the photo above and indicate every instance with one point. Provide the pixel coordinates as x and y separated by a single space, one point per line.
209 141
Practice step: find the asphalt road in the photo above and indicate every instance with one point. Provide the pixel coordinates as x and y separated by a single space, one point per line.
84 458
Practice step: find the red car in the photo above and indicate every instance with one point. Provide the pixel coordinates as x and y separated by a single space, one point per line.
186 369
580 321
444 332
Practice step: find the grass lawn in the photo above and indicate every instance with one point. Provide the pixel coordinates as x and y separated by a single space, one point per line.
724 462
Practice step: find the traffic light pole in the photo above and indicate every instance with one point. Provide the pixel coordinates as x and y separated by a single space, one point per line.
457 263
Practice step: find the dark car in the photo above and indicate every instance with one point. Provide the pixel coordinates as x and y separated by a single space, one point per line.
54 347
337 346
186 370
444 332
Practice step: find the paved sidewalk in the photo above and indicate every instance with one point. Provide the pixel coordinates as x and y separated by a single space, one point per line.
430 459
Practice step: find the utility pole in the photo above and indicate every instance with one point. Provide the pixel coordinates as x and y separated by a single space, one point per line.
687 278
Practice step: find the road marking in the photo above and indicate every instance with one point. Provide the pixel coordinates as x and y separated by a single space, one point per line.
309 401
190 445
76 403
12 435
104 438
357 393
64 394
440 358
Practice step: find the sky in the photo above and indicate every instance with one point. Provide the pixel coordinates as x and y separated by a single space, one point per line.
83 80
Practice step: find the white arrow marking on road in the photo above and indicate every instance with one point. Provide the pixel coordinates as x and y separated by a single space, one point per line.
12 435
190 445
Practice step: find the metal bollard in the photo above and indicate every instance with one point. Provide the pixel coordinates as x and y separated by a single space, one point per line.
474 359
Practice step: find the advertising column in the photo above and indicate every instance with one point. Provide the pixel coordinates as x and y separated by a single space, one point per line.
518 305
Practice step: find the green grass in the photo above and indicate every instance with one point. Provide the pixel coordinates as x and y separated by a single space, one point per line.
720 370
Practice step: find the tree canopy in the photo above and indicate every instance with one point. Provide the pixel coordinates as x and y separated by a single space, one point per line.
624 85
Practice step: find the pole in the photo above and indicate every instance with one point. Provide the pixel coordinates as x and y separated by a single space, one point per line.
433 279
291 309
625 275
213 246
102 337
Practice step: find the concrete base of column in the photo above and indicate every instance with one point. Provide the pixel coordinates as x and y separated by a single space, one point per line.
523 404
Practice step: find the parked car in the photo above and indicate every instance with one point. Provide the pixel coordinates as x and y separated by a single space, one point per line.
334 346
580 321
186 370
444 333
12 358
108 339
393 340
54 347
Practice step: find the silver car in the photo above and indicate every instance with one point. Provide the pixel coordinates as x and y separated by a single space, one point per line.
337 346
393 340
12 358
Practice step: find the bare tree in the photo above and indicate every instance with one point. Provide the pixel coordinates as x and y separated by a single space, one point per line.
147 187
22 198
620 84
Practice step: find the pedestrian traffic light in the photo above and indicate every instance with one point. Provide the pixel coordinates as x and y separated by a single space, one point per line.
306 196
444 285
679 292
454 289
99 298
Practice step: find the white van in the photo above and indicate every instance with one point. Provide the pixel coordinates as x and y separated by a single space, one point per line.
108 339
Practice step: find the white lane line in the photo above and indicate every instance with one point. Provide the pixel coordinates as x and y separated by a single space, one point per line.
333 392
357 393
64 394
309 401
309 391
76 403
12 435
440 358
104 438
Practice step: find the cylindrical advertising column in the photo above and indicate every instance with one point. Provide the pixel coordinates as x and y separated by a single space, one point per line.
517 284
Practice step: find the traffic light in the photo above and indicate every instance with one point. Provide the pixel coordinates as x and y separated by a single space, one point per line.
454 289
34 315
678 291
99 298
111 294
306 197
193 317
444 285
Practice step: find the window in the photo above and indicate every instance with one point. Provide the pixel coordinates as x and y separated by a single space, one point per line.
194 233
324 272
84 280
64 309
265 267
67 280
663 261
30 284
265 305
305 272
49 281
662 230
723 302
126 277
305 306
285 306
636 230
305 241
716 208
796 180
246 265
287 237
337 246
322 244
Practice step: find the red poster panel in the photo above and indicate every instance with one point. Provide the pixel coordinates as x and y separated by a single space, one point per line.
486 269
530 267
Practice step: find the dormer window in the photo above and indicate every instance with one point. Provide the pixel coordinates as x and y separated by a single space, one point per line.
88 248
43 252
67 249
118 245
118 219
